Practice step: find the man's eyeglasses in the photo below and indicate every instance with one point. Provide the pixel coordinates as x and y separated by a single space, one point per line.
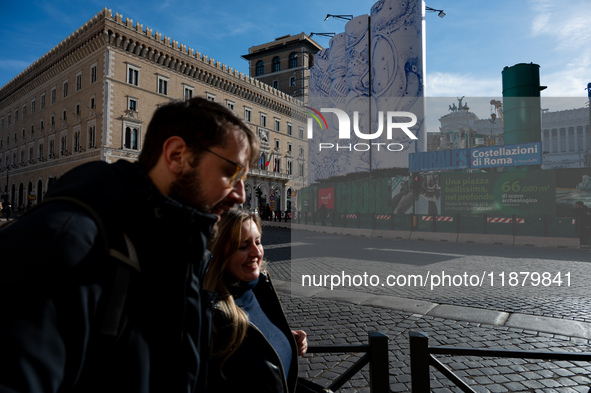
239 174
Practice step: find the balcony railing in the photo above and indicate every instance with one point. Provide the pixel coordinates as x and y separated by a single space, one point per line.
270 174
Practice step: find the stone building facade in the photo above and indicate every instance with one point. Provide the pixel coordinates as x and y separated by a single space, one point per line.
284 63
92 96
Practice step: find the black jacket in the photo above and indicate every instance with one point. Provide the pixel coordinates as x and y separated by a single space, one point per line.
55 281
255 366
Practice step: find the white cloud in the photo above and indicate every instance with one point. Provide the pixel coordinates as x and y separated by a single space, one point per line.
439 84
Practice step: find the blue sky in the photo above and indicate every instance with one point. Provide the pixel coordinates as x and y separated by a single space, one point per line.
466 50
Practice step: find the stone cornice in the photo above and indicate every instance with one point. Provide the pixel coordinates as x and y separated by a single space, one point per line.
112 30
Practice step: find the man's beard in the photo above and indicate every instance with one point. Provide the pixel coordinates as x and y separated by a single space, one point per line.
187 189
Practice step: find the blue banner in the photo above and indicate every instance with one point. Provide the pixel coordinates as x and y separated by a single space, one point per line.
477 158
506 155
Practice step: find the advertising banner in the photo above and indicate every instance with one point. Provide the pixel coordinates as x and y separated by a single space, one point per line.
505 193
506 155
572 185
477 158
326 197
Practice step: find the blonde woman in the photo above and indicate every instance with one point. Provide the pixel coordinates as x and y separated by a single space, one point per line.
253 347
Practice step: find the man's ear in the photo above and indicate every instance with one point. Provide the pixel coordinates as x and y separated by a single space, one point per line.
174 152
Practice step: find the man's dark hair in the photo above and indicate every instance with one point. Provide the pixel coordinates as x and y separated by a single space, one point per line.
199 122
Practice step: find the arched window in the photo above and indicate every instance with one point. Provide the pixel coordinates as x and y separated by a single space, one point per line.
276 64
293 60
260 68
131 138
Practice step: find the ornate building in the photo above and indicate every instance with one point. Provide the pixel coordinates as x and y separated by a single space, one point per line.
92 96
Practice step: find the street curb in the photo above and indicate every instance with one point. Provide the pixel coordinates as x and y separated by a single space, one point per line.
557 326
534 241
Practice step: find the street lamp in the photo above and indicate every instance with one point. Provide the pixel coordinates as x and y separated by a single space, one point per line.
344 17
323 34
441 14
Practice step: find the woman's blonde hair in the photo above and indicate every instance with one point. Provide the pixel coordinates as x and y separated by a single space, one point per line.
231 323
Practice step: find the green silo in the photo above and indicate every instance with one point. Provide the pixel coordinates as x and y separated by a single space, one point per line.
522 112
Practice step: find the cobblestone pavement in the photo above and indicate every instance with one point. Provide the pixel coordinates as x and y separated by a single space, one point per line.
348 319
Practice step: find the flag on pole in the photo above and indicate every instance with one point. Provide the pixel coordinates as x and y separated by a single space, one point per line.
267 163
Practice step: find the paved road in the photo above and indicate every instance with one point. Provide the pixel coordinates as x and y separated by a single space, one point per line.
489 316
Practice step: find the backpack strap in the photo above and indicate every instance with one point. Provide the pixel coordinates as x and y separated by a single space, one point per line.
114 313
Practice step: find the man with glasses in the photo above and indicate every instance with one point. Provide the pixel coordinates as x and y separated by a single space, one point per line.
72 318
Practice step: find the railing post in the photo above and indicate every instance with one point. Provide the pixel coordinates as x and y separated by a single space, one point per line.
379 374
419 363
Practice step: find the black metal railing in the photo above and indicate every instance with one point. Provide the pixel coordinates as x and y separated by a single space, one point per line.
421 358
376 355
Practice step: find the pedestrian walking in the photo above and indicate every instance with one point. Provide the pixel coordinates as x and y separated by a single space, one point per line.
251 335
78 317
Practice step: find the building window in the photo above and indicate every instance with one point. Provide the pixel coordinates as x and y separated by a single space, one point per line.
53 94
301 133
230 105
289 129
32 130
277 125
210 97
263 120
292 81
275 84
293 60
301 172
133 75
33 107
52 120
93 73
277 144
41 126
162 85
188 93
260 68
63 145
77 109
24 111
77 142
289 170
65 89
15 115
276 64
91 137
131 138
92 103
42 104
132 104
289 147
41 152
9 120
248 115
79 81
51 148
64 115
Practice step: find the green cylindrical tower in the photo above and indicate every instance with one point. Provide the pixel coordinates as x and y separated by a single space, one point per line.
522 112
